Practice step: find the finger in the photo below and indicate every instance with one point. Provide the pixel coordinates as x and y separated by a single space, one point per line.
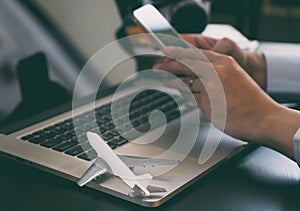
178 53
195 85
163 59
166 59
184 53
196 92
184 87
228 47
187 67
176 67
205 42
199 40
211 41
211 55
177 84
189 38
224 46
158 61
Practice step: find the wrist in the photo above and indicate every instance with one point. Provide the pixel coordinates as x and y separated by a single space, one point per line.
278 129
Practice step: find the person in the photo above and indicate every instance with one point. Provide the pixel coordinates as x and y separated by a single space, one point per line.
251 114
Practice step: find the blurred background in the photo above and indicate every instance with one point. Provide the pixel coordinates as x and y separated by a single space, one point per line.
91 23
266 20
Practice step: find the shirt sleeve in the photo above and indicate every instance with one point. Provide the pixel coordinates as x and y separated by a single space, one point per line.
283 67
297 146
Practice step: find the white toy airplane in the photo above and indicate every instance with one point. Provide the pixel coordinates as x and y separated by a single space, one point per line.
119 165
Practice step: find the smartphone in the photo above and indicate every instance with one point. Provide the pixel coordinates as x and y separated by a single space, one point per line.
158 27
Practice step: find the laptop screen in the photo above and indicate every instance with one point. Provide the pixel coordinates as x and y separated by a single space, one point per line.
57 38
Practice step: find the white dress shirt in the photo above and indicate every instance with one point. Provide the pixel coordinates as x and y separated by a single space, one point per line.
283 66
296 143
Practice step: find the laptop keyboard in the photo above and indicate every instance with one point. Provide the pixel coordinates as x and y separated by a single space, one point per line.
64 137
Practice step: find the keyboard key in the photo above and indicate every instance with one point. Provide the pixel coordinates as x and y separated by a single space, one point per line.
135 123
75 151
173 115
79 149
118 141
37 133
72 133
124 128
27 137
108 126
48 135
65 137
132 134
50 143
58 130
90 155
114 132
95 130
65 146
50 128
142 120
106 136
68 126
143 127
101 121
81 138
36 140
112 145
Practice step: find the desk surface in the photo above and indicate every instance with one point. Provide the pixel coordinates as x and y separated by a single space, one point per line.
264 180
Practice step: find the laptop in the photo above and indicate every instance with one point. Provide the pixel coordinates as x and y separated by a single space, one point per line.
41 127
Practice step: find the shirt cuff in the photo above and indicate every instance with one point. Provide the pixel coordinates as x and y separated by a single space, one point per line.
297 146
283 67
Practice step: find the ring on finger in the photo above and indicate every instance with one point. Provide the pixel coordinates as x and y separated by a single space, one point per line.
190 83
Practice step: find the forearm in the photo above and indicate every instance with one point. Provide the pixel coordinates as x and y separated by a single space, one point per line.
278 130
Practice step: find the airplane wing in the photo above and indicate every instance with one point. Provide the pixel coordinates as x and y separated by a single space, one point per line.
134 161
95 170
116 166
99 167
119 165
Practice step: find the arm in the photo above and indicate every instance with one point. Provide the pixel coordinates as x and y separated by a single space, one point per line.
251 114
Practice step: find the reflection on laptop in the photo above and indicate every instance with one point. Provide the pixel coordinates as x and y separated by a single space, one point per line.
38 93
